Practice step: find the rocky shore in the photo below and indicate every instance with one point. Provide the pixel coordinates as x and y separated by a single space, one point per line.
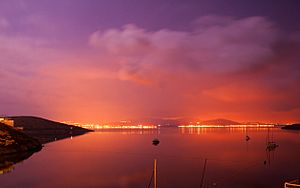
27 135
13 141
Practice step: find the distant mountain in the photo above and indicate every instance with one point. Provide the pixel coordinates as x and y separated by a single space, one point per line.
219 122
292 127
166 122
170 122
255 123
174 122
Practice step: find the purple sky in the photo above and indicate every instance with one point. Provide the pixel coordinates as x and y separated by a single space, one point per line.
93 60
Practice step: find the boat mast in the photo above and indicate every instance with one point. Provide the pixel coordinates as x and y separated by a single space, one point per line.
203 173
155 174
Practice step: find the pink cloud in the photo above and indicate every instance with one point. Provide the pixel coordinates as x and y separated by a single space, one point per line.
227 46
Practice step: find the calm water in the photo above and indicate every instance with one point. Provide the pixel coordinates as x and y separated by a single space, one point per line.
125 159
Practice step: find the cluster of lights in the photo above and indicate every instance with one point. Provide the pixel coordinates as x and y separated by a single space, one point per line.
122 125
119 126
225 126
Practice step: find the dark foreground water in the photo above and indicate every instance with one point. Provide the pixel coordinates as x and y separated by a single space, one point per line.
125 159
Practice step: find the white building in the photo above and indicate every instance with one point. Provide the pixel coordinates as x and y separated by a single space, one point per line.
7 121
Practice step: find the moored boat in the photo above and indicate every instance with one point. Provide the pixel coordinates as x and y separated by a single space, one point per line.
290 184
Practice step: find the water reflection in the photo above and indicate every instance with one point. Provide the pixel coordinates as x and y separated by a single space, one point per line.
270 146
125 159
6 167
7 162
47 136
204 130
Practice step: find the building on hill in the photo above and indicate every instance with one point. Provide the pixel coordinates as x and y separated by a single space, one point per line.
7 121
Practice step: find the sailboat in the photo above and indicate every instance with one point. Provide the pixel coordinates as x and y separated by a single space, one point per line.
271 145
155 142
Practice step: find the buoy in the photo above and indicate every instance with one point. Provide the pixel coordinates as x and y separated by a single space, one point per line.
247 138
155 142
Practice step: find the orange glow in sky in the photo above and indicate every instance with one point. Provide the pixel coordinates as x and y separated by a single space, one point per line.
244 68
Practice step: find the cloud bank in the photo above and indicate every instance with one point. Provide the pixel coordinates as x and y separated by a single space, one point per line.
217 45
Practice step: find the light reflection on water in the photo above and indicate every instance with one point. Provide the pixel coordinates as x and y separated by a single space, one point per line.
125 159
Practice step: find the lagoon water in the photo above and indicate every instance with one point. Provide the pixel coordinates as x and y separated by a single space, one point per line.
113 159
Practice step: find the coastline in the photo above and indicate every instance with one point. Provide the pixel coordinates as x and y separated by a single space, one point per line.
13 141
27 136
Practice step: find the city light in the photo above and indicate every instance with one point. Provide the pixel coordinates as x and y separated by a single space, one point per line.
226 126
121 125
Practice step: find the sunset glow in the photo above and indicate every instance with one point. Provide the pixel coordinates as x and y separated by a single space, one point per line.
149 93
76 60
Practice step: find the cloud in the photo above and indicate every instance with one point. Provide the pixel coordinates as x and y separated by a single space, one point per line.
224 61
217 45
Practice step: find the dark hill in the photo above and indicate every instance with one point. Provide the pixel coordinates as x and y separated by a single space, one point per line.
46 130
219 122
292 127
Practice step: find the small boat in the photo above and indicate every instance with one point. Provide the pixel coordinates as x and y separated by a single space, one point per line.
290 184
247 138
155 141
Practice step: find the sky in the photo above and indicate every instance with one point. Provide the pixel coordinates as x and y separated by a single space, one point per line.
108 60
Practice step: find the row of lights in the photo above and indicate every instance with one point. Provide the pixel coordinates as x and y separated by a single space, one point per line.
223 126
119 126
